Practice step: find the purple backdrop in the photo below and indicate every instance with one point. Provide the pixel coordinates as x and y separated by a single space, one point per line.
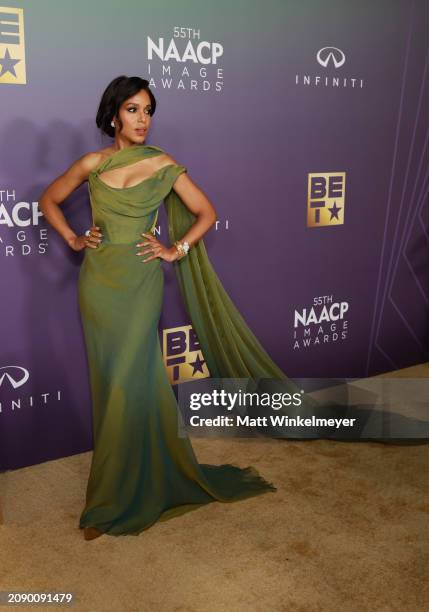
306 123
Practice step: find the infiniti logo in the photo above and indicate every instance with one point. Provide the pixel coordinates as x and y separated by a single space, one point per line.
330 54
19 378
14 376
326 56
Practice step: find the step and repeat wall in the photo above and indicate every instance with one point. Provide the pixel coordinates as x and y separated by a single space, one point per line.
304 122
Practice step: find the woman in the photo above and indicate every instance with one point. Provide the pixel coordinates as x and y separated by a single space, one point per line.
141 470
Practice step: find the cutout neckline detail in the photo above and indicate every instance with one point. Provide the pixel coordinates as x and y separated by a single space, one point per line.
150 177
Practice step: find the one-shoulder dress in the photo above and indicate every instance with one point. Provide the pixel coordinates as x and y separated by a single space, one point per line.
142 471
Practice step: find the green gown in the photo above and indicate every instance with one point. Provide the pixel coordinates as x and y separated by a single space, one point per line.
141 470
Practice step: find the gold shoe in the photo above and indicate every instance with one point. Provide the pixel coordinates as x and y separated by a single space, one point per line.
90 533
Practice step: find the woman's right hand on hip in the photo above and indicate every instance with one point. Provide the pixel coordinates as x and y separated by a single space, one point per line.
92 241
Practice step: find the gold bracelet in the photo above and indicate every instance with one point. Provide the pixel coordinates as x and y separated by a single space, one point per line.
182 248
179 250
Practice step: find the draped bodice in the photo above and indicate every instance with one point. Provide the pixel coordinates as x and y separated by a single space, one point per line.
229 347
124 213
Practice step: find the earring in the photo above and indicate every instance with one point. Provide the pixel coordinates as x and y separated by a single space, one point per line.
112 123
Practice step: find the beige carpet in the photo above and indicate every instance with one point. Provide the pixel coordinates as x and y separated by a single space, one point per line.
347 530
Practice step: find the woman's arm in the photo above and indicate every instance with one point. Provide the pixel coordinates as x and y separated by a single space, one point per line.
55 194
199 204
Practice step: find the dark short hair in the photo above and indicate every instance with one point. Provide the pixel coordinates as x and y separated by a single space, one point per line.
115 94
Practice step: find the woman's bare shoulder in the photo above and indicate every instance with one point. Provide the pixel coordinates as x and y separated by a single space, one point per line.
163 160
89 161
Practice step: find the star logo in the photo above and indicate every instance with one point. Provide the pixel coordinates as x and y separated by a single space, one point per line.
197 365
8 64
334 210
182 354
326 199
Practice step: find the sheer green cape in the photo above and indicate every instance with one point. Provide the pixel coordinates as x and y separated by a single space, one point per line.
230 348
